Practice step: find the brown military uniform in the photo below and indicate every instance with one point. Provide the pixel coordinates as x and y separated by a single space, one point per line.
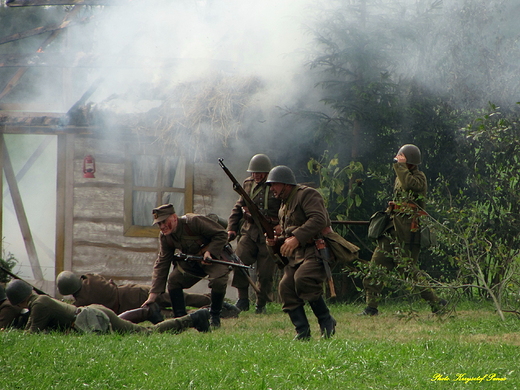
399 247
304 216
251 247
193 233
8 314
96 289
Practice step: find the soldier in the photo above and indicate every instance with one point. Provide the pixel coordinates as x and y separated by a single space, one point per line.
303 218
400 244
9 313
47 314
127 298
251 246
192 234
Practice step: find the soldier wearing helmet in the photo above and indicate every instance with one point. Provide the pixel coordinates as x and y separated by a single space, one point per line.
9 313
400 242
251 247
126 299
303 218
48 314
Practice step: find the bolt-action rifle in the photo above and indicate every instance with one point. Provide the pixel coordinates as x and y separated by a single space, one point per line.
36 289
260 219
185 257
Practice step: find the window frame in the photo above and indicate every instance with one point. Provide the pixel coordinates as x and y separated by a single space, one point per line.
131 230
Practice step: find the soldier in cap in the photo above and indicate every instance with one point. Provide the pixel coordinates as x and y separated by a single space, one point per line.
303 218
399 245
127 298
9 314
192 234
251 246
47 314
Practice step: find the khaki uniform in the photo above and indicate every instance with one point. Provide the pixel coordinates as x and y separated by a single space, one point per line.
48 314
303 215
8 314
399 247
96 289
251 246
193 233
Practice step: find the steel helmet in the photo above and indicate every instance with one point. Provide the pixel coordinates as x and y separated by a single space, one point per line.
412 154
259 163
18 291
3 297
281 174
68 283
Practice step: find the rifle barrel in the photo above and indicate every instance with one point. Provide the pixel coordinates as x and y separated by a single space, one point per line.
350 222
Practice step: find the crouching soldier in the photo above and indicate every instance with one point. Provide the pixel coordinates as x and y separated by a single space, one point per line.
47 314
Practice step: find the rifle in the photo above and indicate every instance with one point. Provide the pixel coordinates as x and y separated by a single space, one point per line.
259 218
36 289
185 257
323 250
350 222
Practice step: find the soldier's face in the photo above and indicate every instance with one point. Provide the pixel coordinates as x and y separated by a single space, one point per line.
169 224
259 177
277 189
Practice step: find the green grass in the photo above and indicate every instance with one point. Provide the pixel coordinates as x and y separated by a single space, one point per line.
392 351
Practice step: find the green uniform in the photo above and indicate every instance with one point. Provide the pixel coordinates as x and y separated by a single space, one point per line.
399 247
9 314
251 247
304 216
48 314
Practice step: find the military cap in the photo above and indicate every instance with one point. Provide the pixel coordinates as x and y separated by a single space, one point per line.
162 212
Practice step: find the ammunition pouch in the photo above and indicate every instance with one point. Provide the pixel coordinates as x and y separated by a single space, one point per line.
379 222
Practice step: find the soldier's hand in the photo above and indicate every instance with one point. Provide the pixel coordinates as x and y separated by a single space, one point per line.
231 235
151 299
207 255
401 158
288 247
277 230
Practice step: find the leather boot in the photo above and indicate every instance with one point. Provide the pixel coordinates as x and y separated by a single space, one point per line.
326 321
200 320
178 305
217 300
229 311
301 324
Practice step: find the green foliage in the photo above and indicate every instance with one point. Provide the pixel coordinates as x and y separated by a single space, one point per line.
338 185
8 262
481 225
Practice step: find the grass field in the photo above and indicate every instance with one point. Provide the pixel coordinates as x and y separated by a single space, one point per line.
473 349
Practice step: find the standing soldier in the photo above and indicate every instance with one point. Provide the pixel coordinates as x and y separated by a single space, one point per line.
251 246
192 234
303 219
400 243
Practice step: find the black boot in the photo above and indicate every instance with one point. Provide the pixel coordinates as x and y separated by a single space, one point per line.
229 311
200 320
178 305
150 313
301 324
217 300
326 321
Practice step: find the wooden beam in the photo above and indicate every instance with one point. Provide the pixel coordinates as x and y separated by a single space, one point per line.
20 214
42 30
44 3
20 72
